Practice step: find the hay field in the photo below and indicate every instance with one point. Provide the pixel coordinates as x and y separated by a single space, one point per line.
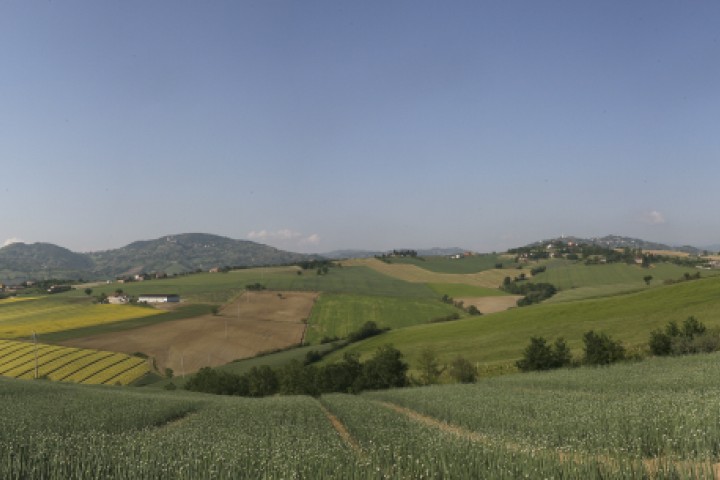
255 322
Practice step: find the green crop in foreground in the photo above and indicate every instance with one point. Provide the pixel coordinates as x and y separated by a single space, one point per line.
337 315
654 419
497 340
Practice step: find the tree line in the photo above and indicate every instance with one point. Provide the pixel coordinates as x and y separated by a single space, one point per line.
600 349
385 369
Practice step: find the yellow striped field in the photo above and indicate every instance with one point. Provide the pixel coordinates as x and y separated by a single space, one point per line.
67 364
18 319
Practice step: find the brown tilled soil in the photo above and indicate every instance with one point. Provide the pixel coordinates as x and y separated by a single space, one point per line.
256 322
491 304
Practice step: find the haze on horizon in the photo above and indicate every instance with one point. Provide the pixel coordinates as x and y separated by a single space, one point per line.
316 126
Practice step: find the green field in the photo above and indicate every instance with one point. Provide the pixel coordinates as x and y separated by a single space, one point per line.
459 290
337 315
653 419
217 288
567 275
496 341
445 264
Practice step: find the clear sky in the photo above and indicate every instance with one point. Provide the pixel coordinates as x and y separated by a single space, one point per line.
322 125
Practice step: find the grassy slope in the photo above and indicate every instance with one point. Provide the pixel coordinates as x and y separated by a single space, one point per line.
473 264
498 339
457 290
567 275
340 314
221 287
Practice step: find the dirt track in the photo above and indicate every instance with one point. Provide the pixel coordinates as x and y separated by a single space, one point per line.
256 322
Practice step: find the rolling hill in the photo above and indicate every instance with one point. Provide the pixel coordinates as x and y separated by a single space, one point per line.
171 254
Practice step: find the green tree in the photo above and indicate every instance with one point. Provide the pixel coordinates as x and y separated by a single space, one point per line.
462 371
385 369
262 381
429 367
539 355
88 291
647 279
600 349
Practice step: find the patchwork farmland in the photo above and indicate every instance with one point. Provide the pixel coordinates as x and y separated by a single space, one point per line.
30 361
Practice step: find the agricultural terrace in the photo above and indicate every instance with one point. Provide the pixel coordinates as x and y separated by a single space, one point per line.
19 359
654 419
339 314
414 274
495 341
18 319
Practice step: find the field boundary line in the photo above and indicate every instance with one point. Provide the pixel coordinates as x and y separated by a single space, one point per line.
341 430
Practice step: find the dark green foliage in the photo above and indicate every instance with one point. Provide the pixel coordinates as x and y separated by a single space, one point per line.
298 379
691 337
462 371
262 381
369 329
533 292
600 349
344 376
255 287
384 370
541 356
473 310
429 366
537 270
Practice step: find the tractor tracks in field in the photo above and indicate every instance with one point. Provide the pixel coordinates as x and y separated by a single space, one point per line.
341 430
653 466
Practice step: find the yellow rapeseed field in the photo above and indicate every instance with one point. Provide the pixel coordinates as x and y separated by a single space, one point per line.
20 318
67 364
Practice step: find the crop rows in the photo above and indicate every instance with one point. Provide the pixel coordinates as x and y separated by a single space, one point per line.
653 420
19 360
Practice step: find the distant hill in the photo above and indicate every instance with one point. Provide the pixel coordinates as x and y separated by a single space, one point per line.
429 252
170 254
617 241
21 261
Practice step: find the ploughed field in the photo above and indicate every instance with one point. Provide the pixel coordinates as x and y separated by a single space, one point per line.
654 419
253 323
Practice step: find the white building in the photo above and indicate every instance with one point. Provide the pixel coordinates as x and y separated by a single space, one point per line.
159 298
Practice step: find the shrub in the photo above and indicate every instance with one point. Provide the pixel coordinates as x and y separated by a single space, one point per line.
600 349
462 371
541 356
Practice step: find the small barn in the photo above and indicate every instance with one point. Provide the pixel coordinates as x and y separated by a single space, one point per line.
159 297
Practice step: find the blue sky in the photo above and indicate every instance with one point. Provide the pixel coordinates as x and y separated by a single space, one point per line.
315 126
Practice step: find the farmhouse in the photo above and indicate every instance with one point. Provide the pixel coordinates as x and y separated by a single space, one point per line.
159 298
118 299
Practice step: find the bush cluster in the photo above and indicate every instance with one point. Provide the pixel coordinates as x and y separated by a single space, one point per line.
691 337
533 292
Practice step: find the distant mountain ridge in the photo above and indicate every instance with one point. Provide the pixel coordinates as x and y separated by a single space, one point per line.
170 254
618 241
